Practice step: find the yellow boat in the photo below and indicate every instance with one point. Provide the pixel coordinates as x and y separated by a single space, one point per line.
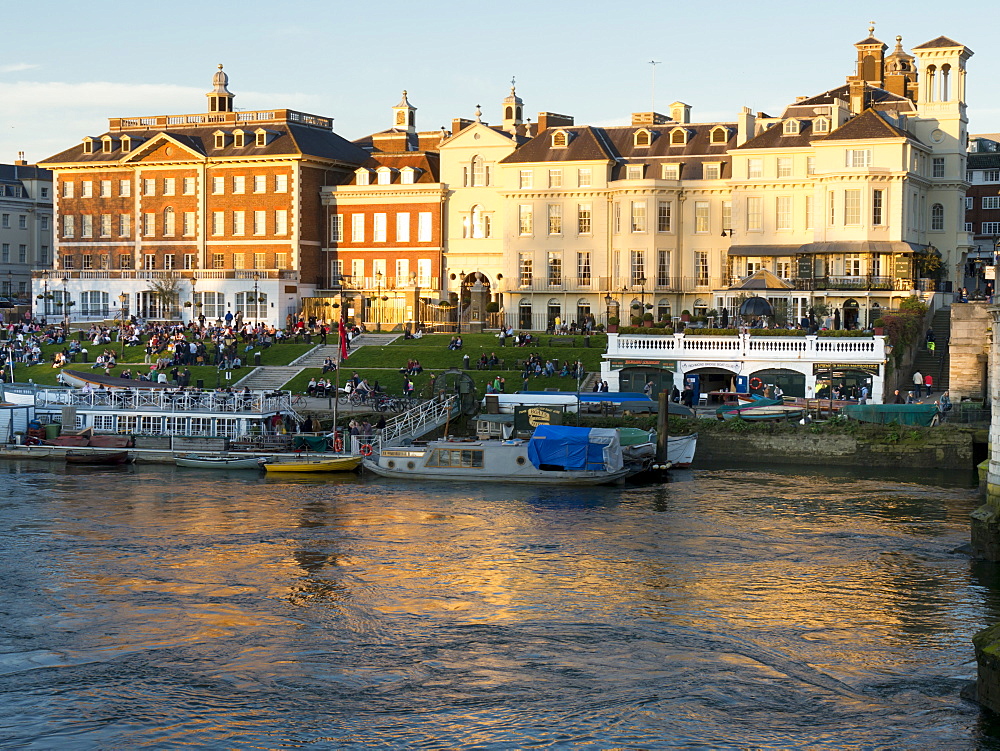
325 464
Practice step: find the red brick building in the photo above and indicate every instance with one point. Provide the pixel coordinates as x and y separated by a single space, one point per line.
212 213
384 221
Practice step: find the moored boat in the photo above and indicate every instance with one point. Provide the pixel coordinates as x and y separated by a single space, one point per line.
680 450
763 412
555 454
318 464
220 462
102 459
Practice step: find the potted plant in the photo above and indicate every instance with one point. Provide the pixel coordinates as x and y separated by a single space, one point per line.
492 307
878 326
635 320
685 315
647 320
612 324
187 304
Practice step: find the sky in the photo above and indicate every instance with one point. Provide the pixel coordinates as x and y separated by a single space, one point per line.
68 67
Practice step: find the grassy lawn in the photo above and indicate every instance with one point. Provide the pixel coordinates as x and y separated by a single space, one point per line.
382 363
391 381
45 375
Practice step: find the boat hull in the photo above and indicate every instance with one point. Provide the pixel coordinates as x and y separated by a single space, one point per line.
213 462
339 464
98 460
680 450
759 414
553 477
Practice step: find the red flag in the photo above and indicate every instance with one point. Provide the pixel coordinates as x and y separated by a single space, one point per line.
342 332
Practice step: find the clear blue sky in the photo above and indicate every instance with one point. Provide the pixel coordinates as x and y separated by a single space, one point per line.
67 67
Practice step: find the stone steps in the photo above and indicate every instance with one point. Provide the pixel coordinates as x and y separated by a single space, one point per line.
269 378
938 363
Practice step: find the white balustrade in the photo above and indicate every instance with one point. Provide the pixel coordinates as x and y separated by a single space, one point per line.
680 346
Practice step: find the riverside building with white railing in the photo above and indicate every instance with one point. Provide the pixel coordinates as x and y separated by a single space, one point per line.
802 366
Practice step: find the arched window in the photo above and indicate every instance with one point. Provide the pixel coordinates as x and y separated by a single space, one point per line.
642 138
559 138
663 309
508 113
478 172
945 82
931 82
720 135
791 127
937 217
582 310
480 223
524 314
821 125
168 221
678 137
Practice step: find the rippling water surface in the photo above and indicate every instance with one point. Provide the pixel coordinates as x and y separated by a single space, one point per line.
729 608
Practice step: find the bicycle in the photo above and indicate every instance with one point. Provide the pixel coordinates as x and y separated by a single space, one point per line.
299 400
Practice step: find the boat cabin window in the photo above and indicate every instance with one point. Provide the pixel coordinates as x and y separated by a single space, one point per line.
456 458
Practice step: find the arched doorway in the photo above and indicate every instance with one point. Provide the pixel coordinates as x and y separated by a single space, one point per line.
704 380
553 312
846 383
851 313
635 378
791 382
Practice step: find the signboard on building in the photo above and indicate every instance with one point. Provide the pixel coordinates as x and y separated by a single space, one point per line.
823 368
805 267
901 268
631 362
528 418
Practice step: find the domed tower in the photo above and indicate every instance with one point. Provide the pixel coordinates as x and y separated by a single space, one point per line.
513 109
404 115
901 72
220 98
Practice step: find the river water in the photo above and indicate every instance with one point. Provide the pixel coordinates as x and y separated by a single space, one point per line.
730 608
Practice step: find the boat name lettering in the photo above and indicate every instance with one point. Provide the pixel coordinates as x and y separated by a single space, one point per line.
619 363
402 453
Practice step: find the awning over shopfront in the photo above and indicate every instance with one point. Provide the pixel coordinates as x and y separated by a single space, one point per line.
826 248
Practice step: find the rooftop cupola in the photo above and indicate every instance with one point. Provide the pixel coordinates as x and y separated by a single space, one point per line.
220 98
513 110
404 115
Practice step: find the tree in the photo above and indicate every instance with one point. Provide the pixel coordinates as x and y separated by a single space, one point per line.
166 293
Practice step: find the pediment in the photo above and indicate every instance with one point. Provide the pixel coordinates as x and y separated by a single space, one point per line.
478 135
163 147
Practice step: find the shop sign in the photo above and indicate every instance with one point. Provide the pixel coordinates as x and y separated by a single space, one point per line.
823 368
529 418
734 366
630 362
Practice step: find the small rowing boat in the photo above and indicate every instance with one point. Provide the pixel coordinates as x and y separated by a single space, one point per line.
220 462
324 464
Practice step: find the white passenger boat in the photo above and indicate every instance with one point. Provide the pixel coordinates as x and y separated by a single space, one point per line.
680 450
555 454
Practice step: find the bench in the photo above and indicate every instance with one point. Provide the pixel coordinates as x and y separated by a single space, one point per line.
499 366
562 341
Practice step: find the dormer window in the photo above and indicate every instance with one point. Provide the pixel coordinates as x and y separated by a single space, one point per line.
712 171
220 139
720 135
384 175
671 172
262 137
678 137
408 175
791 128
107 144
634 172
560 139
88 145
239 139
821 125
642 138
126 143
364 177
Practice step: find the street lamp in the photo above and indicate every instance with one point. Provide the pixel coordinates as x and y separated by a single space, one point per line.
45 294
378 313
641 281
458 309
256 301
122 299
65 301
10 284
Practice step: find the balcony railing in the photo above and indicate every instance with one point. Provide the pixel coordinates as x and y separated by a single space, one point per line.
55 277
162 400
817 348
385 283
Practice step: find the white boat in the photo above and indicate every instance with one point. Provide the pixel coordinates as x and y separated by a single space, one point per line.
554 455
220 462
680 450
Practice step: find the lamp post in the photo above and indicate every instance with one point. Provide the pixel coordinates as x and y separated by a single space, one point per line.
641 281
123 300
458 308
10 284
378 297
65 302
256 301
45 294
608 299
